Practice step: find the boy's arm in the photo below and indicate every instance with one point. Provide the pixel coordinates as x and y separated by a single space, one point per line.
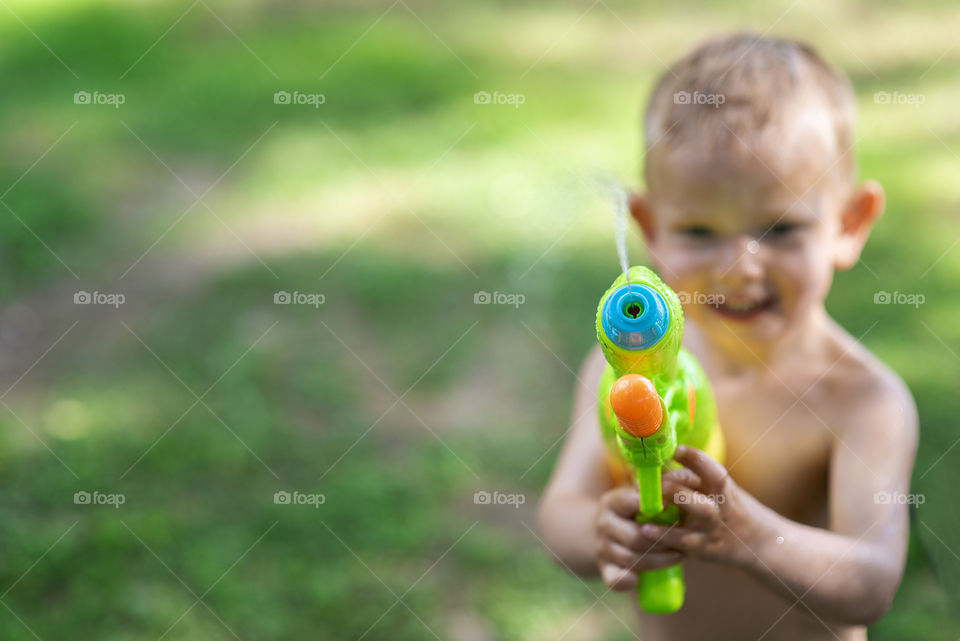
569 504
849 573
852 571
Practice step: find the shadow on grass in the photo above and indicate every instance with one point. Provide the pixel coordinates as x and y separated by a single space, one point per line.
198 97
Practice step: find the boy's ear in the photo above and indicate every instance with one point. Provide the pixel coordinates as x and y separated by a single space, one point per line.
862 209
641 212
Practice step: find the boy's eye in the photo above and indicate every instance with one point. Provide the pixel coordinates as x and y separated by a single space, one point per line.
697 231
779 230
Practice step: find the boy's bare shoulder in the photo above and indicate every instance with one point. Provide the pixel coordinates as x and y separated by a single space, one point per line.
866 390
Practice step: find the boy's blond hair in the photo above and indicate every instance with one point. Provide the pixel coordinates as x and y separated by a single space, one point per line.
745 89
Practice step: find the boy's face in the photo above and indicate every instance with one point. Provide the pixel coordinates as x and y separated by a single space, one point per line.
749 242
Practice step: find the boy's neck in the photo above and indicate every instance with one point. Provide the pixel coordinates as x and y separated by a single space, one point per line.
807 341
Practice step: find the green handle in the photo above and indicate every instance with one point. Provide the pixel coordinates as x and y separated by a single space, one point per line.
651 499
661 591
658 591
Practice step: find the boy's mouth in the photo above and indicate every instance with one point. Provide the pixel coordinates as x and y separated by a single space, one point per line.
746 309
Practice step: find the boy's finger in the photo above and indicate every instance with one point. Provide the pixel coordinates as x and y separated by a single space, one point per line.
623 531
670 490
713 474
694 506
625 501
618 578
655 557
658 560
620 555
683 476
677 537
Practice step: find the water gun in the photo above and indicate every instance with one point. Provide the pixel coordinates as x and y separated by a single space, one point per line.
653 395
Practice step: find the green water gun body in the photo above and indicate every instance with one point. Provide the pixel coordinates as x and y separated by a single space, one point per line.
652 396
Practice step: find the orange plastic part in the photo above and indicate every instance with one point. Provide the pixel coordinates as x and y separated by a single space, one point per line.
635 401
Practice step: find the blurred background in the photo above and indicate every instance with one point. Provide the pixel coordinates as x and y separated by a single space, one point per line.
293 295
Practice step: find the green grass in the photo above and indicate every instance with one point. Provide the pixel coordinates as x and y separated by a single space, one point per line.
447 198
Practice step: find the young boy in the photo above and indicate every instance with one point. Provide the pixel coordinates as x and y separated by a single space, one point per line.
751 206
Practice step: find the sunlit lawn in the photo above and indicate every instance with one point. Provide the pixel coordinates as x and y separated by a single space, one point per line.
397 199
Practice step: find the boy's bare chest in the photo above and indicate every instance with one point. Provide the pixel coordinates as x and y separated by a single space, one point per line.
778 448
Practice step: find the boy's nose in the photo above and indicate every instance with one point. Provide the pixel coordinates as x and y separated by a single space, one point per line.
741 261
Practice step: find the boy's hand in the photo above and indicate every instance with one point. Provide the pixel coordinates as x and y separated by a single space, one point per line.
718 519
622 549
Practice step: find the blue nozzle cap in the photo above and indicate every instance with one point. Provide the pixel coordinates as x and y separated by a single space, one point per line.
635 317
